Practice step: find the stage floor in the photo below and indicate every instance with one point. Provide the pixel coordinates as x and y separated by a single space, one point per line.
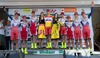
56 56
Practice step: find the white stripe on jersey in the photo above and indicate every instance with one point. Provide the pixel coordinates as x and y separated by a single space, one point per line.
69 24
15 22
77 22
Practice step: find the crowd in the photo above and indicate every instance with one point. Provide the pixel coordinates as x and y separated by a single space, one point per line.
49 27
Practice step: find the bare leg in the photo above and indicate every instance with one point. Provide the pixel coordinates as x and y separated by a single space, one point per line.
72 43
22 44
49 38
65 42
77 43
86 42
64 39
16 44
50 44
80 40
41 43
90 46
12 44
35 41
26 43
56 43
90 43
34 38
69 43
47 41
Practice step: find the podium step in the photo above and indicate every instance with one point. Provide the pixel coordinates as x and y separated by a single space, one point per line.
43 56
46 51
62 53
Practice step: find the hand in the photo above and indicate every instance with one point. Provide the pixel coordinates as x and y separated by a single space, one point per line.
83 10
4 9
92 4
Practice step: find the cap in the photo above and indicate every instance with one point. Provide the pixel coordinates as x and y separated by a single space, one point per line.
82 13
75 13
68 17
62 13
47 10
17 14
24 16
33 12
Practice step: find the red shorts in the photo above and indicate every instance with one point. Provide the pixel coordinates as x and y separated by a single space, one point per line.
24 34
63 30
14 33
86 32
48 30
33 30
77 33
69 33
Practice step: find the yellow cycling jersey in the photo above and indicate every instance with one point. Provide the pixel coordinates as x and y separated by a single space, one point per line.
48 21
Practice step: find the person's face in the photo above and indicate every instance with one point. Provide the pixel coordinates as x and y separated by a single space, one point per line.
16 16
33 14
83 15
48 12
42 14
68 19
8 22
24 19
76 16
62 15
56 15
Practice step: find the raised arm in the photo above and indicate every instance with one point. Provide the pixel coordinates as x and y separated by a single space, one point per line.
92 9
7 14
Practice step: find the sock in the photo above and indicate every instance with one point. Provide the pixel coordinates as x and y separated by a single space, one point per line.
50 44
69 48
22 49
47 45
25 51
77 48
72 48
90 49
17 49
35 45
80 48
32 45
62 44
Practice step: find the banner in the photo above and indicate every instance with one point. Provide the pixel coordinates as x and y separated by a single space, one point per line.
70 9
27 11
48 52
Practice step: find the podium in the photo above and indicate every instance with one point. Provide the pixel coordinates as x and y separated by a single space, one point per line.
59 53
47 53
84 53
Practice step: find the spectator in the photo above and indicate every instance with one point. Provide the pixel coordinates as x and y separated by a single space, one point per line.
2 39
7 35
